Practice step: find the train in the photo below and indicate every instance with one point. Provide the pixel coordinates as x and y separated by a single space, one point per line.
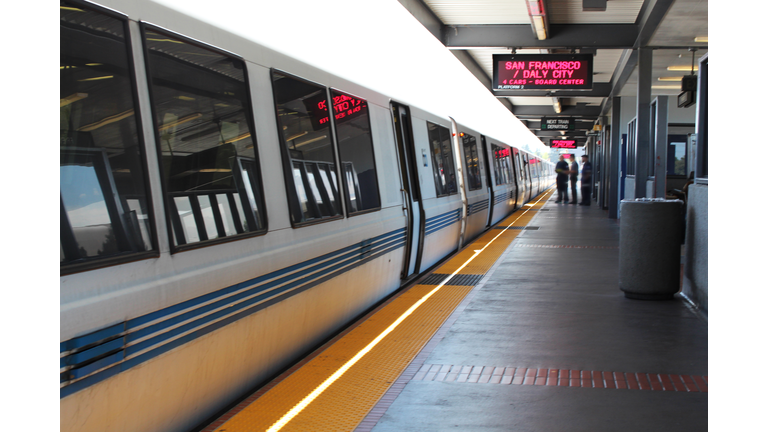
225 208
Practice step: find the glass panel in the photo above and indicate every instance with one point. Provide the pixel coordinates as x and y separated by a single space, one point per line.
443 167
471 163
302 112
202 109
501 164
104 198
86 210
677 159
353 131
449 170
438 170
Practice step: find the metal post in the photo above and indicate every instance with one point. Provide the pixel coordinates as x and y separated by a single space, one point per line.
605 168
613 198
643 131
662 120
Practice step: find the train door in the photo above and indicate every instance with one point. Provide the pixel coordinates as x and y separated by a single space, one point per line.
412 203
519 188
488 179
527 178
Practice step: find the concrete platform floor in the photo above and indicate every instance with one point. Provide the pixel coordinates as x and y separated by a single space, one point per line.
552 303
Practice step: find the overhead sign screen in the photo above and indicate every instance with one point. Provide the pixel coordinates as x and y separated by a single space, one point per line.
542 71
563 143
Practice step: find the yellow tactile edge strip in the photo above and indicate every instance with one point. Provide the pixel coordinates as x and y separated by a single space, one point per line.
338 387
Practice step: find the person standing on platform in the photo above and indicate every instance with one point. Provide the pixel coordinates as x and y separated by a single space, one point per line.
562 180
586 181
574 174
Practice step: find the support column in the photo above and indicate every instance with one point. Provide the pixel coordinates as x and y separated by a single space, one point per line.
662 121
615 171
602 199
643 131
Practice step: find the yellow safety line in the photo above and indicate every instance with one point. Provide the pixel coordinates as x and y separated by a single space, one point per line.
376 379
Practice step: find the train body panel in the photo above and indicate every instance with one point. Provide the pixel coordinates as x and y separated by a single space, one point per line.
163 339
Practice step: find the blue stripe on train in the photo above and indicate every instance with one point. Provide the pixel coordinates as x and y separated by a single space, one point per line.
303 278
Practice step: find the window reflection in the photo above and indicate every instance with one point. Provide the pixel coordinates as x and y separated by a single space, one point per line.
103 195
302 111
353 130
202 107
471 162
442 159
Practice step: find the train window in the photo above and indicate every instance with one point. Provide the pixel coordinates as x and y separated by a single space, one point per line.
471 161
353 132
202 115
104 199
443 167
501 164
302 115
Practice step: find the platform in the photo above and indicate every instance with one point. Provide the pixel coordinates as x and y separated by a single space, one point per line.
541 340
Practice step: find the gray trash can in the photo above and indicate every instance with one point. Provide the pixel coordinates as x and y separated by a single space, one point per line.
651 232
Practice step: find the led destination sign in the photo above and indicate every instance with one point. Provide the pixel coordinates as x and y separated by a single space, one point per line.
542 71
561 143
558 123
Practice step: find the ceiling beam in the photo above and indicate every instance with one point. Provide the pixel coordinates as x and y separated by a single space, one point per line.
425 16
648 20
548 111
561 36
554 134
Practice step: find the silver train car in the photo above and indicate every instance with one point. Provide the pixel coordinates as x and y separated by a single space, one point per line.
226 208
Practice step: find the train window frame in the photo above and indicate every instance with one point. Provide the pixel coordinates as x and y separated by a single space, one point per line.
287 160
257 184
341 170
94 263
435 174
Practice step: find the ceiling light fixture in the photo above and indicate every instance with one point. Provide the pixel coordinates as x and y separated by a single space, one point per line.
682 68
671 78
556 105
538 15
666 87
701 39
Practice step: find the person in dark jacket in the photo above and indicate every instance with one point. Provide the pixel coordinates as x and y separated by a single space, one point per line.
574 177
562 180
586 181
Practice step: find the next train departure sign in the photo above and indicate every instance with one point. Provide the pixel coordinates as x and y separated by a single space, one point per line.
542 72
562 143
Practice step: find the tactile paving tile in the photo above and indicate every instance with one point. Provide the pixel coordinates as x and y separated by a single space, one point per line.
562 378
458 280
541 246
